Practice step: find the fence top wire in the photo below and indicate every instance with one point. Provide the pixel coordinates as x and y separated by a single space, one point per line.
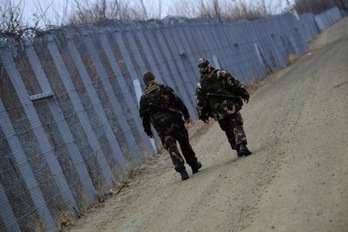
33 33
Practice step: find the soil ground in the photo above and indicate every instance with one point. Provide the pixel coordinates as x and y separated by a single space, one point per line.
295 180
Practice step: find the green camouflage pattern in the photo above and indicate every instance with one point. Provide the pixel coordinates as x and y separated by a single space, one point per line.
218 81
177 132
165 97
168 122
233 128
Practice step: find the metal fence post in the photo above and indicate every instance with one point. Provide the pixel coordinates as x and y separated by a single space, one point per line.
63 127
39 132
25 171
75 99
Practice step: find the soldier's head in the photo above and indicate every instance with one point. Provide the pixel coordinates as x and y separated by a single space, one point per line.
203 63
148 77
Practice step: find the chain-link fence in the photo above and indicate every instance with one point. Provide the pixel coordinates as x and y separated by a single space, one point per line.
69 124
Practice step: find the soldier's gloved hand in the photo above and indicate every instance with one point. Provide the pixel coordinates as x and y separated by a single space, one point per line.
246 98
244 95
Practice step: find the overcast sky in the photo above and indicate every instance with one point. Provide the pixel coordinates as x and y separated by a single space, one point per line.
56 9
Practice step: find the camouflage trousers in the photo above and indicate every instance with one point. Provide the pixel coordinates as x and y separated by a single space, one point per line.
177 132
233 127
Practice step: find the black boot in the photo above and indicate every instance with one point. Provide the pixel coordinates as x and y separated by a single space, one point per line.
242 150
180 168
184 174
196 167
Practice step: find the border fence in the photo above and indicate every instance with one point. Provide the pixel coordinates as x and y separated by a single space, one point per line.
69 123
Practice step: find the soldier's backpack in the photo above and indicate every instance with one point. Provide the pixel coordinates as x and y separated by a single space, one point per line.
160 106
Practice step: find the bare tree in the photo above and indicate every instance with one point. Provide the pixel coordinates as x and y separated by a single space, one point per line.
341 4
230 10
11 22
216 9
143 8
92 11
265 7
185 8
314 6
11 17
243 10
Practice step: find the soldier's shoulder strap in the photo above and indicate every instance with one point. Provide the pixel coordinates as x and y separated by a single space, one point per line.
151 88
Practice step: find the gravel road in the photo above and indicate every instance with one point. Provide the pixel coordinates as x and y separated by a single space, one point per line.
296 180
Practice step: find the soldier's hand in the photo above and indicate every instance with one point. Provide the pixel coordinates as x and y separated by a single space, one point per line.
151 136
245 95
206 121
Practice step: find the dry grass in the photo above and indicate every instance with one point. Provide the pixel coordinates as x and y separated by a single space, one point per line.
292 58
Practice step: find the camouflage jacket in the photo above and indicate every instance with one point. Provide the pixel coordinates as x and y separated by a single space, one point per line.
228 94
161 106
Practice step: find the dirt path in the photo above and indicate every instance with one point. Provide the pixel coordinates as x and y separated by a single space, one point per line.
296 179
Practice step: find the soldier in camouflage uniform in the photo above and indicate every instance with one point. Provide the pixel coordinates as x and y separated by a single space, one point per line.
220 95
161 107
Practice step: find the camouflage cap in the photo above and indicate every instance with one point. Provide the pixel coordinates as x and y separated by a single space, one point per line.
203 62
147 77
